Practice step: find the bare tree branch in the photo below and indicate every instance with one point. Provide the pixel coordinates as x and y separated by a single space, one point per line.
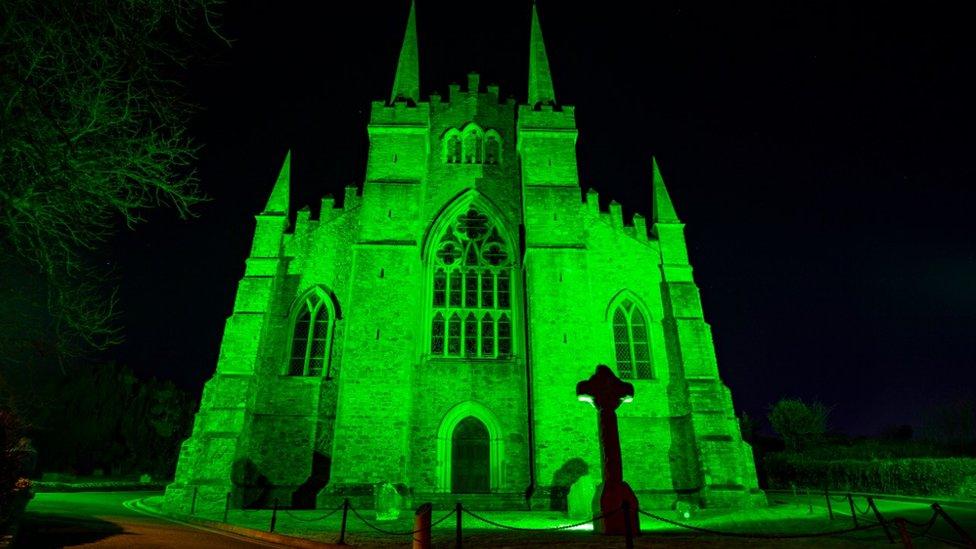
92 134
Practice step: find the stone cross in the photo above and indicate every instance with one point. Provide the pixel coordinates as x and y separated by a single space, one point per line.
605 390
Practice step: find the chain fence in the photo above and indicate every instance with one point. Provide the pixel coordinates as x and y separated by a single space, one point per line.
906 528
314 519
923 528
407 533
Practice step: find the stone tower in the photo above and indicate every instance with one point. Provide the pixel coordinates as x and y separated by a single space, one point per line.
429 330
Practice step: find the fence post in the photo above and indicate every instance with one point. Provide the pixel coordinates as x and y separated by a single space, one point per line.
906 538
884 523
628 532
193 501
274 516
227 505
850 500
421 527
342 529
457 529
830 508
955 526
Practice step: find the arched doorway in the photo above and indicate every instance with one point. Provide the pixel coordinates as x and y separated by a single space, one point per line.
470 457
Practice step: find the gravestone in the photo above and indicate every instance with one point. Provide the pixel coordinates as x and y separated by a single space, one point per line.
580 500
387 502
606 392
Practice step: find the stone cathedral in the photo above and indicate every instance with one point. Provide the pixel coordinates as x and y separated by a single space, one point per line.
429 330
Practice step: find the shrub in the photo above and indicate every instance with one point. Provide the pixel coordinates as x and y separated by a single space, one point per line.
16 463
950 477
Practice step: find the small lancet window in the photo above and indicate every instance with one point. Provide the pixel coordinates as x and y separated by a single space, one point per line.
453 150
470 335
492 150
437 335
472 274
504 336
311 338
487 289
631 344
454 288
454 335
503 290
440 288
471 289
487 335
473 148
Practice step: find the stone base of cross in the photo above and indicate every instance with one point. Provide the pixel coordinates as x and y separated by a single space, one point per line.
609 504
614 500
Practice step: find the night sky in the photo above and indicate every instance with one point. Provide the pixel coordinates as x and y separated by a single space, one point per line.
820 153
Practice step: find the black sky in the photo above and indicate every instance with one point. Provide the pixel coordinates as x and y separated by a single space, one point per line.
820 153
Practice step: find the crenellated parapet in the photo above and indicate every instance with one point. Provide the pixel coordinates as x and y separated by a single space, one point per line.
634 227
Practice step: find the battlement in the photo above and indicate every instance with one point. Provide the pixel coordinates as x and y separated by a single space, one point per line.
330 211
547 117
399 113
492 93
635 226
353 197
303 219
409 113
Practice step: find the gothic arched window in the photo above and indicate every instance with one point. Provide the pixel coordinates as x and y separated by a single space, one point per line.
471 297
311 337
453 150
492 148
632 349
473 145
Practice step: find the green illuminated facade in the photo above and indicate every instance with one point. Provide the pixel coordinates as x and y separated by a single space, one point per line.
430 331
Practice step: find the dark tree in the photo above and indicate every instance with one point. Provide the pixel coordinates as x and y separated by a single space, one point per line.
798 423
92 133
951 424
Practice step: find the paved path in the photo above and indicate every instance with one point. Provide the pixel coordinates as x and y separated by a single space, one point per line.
100 519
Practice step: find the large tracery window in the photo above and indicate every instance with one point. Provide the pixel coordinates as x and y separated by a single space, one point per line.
311 337
630 341
471 298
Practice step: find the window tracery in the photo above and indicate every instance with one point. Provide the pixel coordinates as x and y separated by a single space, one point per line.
311 337
472 146
631 344
471 296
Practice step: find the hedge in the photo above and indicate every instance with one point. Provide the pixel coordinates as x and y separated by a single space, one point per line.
947 477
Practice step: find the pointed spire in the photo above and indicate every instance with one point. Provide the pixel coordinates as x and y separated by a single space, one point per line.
662 210
406 85
540 79
278 202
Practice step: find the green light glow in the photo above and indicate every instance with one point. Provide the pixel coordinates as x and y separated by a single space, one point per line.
466 280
